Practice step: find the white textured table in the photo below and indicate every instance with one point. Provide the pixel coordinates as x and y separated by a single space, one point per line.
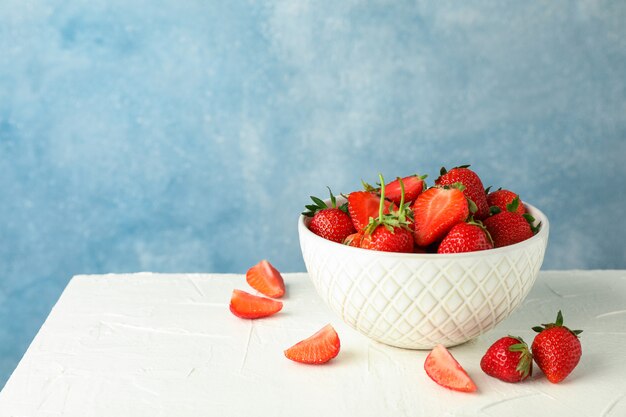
167 345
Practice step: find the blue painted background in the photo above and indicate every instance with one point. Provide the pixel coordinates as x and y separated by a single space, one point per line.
187 135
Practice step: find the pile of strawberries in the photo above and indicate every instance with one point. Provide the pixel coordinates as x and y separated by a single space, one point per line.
319 348
457 214
556 350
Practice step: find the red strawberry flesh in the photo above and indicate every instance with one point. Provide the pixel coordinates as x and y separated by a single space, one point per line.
248 306
442 368
317 349
363 205
266 279
436 211
474 189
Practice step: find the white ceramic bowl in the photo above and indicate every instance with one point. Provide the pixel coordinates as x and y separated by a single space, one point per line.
416 301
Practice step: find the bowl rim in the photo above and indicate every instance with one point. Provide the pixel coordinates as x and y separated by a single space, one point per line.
539 216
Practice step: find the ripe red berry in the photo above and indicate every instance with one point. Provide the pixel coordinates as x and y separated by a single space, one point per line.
436 211
508 359
332 223
466 237
502 199
556 349
508 228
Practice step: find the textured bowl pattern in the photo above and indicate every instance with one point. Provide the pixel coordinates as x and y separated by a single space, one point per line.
416 301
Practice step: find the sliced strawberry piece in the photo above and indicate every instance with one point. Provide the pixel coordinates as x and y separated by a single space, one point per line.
362 205
413 186
436 211
266 279
442 368
317 349
248 306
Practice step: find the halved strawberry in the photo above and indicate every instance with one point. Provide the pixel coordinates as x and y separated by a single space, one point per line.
248 306
363 205
442 368
266 279
317 349
413 186
436 211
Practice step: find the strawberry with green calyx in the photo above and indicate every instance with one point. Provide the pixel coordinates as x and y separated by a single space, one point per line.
436 211
468 236
332 223
389 232
500 200
413 187
474 189
508 227
556 349
508 359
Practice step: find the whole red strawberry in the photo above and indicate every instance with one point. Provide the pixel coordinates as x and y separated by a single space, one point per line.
474 189
389 232
503 198
332 223
508 359
436 211
466 237
556 349
508 227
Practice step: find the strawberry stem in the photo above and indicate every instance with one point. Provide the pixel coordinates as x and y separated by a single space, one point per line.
381 206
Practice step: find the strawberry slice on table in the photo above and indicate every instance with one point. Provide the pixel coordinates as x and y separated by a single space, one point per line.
363 205
556 349
508 359
466 237
248 306
474 189
317 349
436 211
442 368
266 279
